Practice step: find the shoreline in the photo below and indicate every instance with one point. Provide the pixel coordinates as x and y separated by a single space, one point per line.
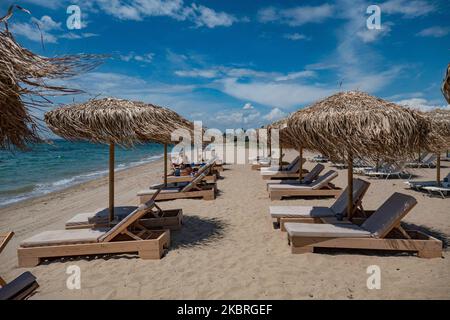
51 194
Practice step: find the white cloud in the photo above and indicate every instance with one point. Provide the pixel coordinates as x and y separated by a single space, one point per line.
75 36
421 104
221 72
144 58
50 30
51 4
197 73
296 16
296 75
138 10
435 32
236 118
31 32
248 106
371 35
281 95
295 36
408 8
274 115
46 23
208 17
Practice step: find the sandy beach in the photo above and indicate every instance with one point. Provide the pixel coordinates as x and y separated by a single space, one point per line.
227 248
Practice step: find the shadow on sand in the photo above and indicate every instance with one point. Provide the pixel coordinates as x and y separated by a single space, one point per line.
197 231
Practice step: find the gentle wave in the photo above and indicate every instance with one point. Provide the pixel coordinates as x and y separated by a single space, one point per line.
41 189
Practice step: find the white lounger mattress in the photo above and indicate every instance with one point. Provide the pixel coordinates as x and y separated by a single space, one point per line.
152 191
63 237
326 230
289 186
300 211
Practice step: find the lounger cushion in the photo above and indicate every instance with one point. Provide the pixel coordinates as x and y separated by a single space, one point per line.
292 186
325 230
300 212
389 215
341 204
63 237
318 184
437 189
152 191
314 173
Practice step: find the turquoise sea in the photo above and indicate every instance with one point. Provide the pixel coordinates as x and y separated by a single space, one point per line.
51 167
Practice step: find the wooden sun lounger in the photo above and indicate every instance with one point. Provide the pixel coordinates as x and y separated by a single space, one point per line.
307 179
322 187
289 172
381 231
443 190
4 239
207 168
261 163
128 236
314 214
155 218
195 189
417 184
429 161
21 287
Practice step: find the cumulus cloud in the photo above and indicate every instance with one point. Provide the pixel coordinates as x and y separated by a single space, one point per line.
296 16
408 8
138 10
275 114
421 104
371 35
435 32
248 106
295 36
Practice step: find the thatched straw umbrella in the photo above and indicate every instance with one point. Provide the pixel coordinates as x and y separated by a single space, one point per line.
441 129
23 86
355 124
287 140
446 85
115 121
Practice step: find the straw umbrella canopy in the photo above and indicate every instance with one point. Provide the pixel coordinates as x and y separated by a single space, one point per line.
287 140
23 86
441 130
355 124
446 85
115 121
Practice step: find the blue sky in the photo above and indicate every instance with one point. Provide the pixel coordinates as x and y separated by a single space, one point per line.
247 63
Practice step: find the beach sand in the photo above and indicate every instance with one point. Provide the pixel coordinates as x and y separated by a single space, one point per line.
228 248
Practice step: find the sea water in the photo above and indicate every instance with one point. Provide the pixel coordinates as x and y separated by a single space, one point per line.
60 164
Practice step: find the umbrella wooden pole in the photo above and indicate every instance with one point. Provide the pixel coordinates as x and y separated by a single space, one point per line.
270 146
165 164
111 182
438 170
281 158
300 151
350 186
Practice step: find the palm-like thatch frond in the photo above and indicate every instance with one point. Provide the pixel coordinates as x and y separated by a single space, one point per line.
23 86
446 85
118 121
286 140
362 125
441 127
